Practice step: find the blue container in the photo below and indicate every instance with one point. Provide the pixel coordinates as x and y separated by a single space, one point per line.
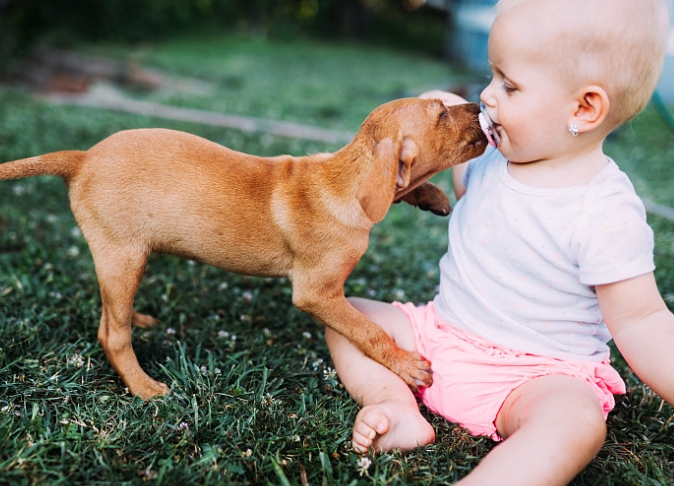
470 21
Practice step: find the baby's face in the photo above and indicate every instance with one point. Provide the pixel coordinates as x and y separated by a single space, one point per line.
527 102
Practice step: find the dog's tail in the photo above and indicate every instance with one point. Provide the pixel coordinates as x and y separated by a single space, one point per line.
65 164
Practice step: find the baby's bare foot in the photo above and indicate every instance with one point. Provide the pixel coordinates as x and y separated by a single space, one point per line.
390 425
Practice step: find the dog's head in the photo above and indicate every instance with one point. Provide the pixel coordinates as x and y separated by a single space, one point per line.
413 139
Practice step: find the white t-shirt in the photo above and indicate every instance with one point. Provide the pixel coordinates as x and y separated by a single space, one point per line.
523 261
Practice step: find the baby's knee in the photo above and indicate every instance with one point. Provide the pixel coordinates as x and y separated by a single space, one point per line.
590 425
582 419
556 405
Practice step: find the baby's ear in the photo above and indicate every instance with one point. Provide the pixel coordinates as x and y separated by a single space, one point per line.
592 108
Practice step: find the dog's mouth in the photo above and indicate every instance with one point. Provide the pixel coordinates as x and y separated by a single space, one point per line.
477 141
488 126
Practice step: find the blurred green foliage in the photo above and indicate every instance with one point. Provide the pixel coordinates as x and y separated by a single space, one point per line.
26 22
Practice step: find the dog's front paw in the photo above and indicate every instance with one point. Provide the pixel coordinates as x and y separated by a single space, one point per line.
415 371
442 208
428 197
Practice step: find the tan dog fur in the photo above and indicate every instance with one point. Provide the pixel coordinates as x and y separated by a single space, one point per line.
306 218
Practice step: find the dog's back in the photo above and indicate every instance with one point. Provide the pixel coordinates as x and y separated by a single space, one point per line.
172 192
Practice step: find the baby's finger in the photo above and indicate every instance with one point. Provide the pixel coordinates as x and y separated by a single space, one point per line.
446 97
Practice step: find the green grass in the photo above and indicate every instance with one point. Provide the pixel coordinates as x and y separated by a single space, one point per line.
305 81
254 399
644 149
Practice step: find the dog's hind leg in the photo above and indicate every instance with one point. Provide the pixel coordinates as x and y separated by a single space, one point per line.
119 273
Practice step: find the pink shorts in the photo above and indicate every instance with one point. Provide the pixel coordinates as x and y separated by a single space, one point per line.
473 377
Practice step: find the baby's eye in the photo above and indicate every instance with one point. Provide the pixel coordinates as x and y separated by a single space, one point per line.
508 89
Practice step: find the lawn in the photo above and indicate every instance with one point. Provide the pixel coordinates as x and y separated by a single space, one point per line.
254 396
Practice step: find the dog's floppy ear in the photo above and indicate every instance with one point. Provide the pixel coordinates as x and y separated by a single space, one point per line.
408 154
376 189
391 170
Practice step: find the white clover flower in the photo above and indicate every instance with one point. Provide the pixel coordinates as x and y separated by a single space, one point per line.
329 373
170 331
184 426
223 286
223 334
247 296
363 465
76 360
306 334
73 251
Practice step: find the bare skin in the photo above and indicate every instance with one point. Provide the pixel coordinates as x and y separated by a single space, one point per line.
390 416
554 425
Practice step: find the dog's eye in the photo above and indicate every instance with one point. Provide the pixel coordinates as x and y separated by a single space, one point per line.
444 114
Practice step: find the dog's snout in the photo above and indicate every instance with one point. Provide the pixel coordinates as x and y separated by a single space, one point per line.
473 108
468 112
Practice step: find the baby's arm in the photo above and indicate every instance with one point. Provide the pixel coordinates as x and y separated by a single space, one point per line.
643 329
457 178
447 98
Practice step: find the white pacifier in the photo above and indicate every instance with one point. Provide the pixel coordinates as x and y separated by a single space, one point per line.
488 127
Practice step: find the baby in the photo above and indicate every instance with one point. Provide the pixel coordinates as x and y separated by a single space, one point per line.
550 256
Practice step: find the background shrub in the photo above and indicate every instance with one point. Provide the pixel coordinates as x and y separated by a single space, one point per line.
63 22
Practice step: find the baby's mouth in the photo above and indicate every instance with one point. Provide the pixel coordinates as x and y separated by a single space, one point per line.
488 127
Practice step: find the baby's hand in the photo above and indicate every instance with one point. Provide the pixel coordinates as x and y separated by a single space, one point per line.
446 97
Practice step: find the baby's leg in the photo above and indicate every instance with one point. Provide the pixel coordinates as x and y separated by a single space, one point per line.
553 427
390 415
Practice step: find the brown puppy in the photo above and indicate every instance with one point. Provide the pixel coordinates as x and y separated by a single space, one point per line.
306 218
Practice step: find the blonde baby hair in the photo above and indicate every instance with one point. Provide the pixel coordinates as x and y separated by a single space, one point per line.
616 44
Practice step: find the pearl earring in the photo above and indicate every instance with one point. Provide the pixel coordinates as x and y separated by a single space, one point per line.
573 129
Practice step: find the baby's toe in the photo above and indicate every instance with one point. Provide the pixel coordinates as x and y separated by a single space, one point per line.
360 442
372 421
370 424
